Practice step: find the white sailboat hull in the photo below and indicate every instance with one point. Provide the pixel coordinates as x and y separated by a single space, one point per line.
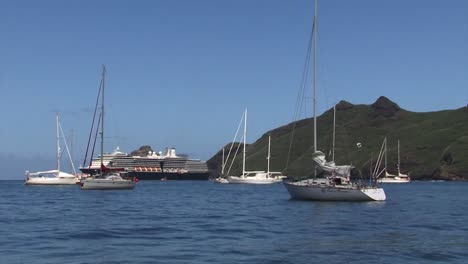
390 178
50 181
253 180
306 190
394 180
220 180
52 177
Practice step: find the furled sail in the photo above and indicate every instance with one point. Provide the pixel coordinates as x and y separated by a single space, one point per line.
330 167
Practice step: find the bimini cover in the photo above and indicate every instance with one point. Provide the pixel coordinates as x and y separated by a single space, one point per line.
330 167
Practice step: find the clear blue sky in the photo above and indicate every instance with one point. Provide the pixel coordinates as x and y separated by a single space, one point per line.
180 72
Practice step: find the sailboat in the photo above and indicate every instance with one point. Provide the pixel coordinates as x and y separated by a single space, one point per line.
335 185
255 177
272 174
221 179
53 177
106 179
391 178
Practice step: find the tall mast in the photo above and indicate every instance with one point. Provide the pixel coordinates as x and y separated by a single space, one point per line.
334 123
398 158
71 147
268 157
102 115
245 134
58 143
385 155
315 77
222 164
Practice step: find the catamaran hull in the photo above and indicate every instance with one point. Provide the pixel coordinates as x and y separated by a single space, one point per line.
332 193
98 184
50 181
246 180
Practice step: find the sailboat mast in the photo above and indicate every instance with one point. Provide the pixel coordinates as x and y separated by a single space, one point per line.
71 148
245 134
102 115
385 155
334 123
222 164
58 143
315 77
398 158
268 157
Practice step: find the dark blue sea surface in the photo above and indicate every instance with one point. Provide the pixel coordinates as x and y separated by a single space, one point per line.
203 222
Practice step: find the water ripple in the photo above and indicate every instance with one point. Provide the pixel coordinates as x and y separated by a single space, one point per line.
201 222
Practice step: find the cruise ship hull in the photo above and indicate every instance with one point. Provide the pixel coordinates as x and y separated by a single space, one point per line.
169 175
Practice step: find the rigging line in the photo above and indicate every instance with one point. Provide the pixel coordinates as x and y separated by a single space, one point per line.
69 141
305 76
63 150
95 139
68 151
235 155
300 98
378 163
92 125
235 136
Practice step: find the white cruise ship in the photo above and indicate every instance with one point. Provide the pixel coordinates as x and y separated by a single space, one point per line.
154 166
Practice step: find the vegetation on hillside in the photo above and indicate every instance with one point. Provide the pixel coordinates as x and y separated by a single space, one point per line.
433 145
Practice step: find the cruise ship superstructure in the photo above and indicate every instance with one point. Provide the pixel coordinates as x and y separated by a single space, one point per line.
154 166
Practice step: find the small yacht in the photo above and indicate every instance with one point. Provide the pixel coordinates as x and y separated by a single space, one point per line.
255 177
391 178
53 177
334 184
106 179
333 189
221 178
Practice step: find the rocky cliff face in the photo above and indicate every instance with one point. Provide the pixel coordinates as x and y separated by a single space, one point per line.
143 151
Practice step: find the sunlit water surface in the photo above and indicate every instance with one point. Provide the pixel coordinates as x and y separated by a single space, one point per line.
203 222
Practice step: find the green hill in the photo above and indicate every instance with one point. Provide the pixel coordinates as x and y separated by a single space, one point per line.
433 145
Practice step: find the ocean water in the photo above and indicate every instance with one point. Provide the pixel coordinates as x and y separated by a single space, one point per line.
203 222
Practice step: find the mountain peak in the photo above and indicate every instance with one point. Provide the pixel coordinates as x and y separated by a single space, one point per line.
142 151
342 105
386 107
